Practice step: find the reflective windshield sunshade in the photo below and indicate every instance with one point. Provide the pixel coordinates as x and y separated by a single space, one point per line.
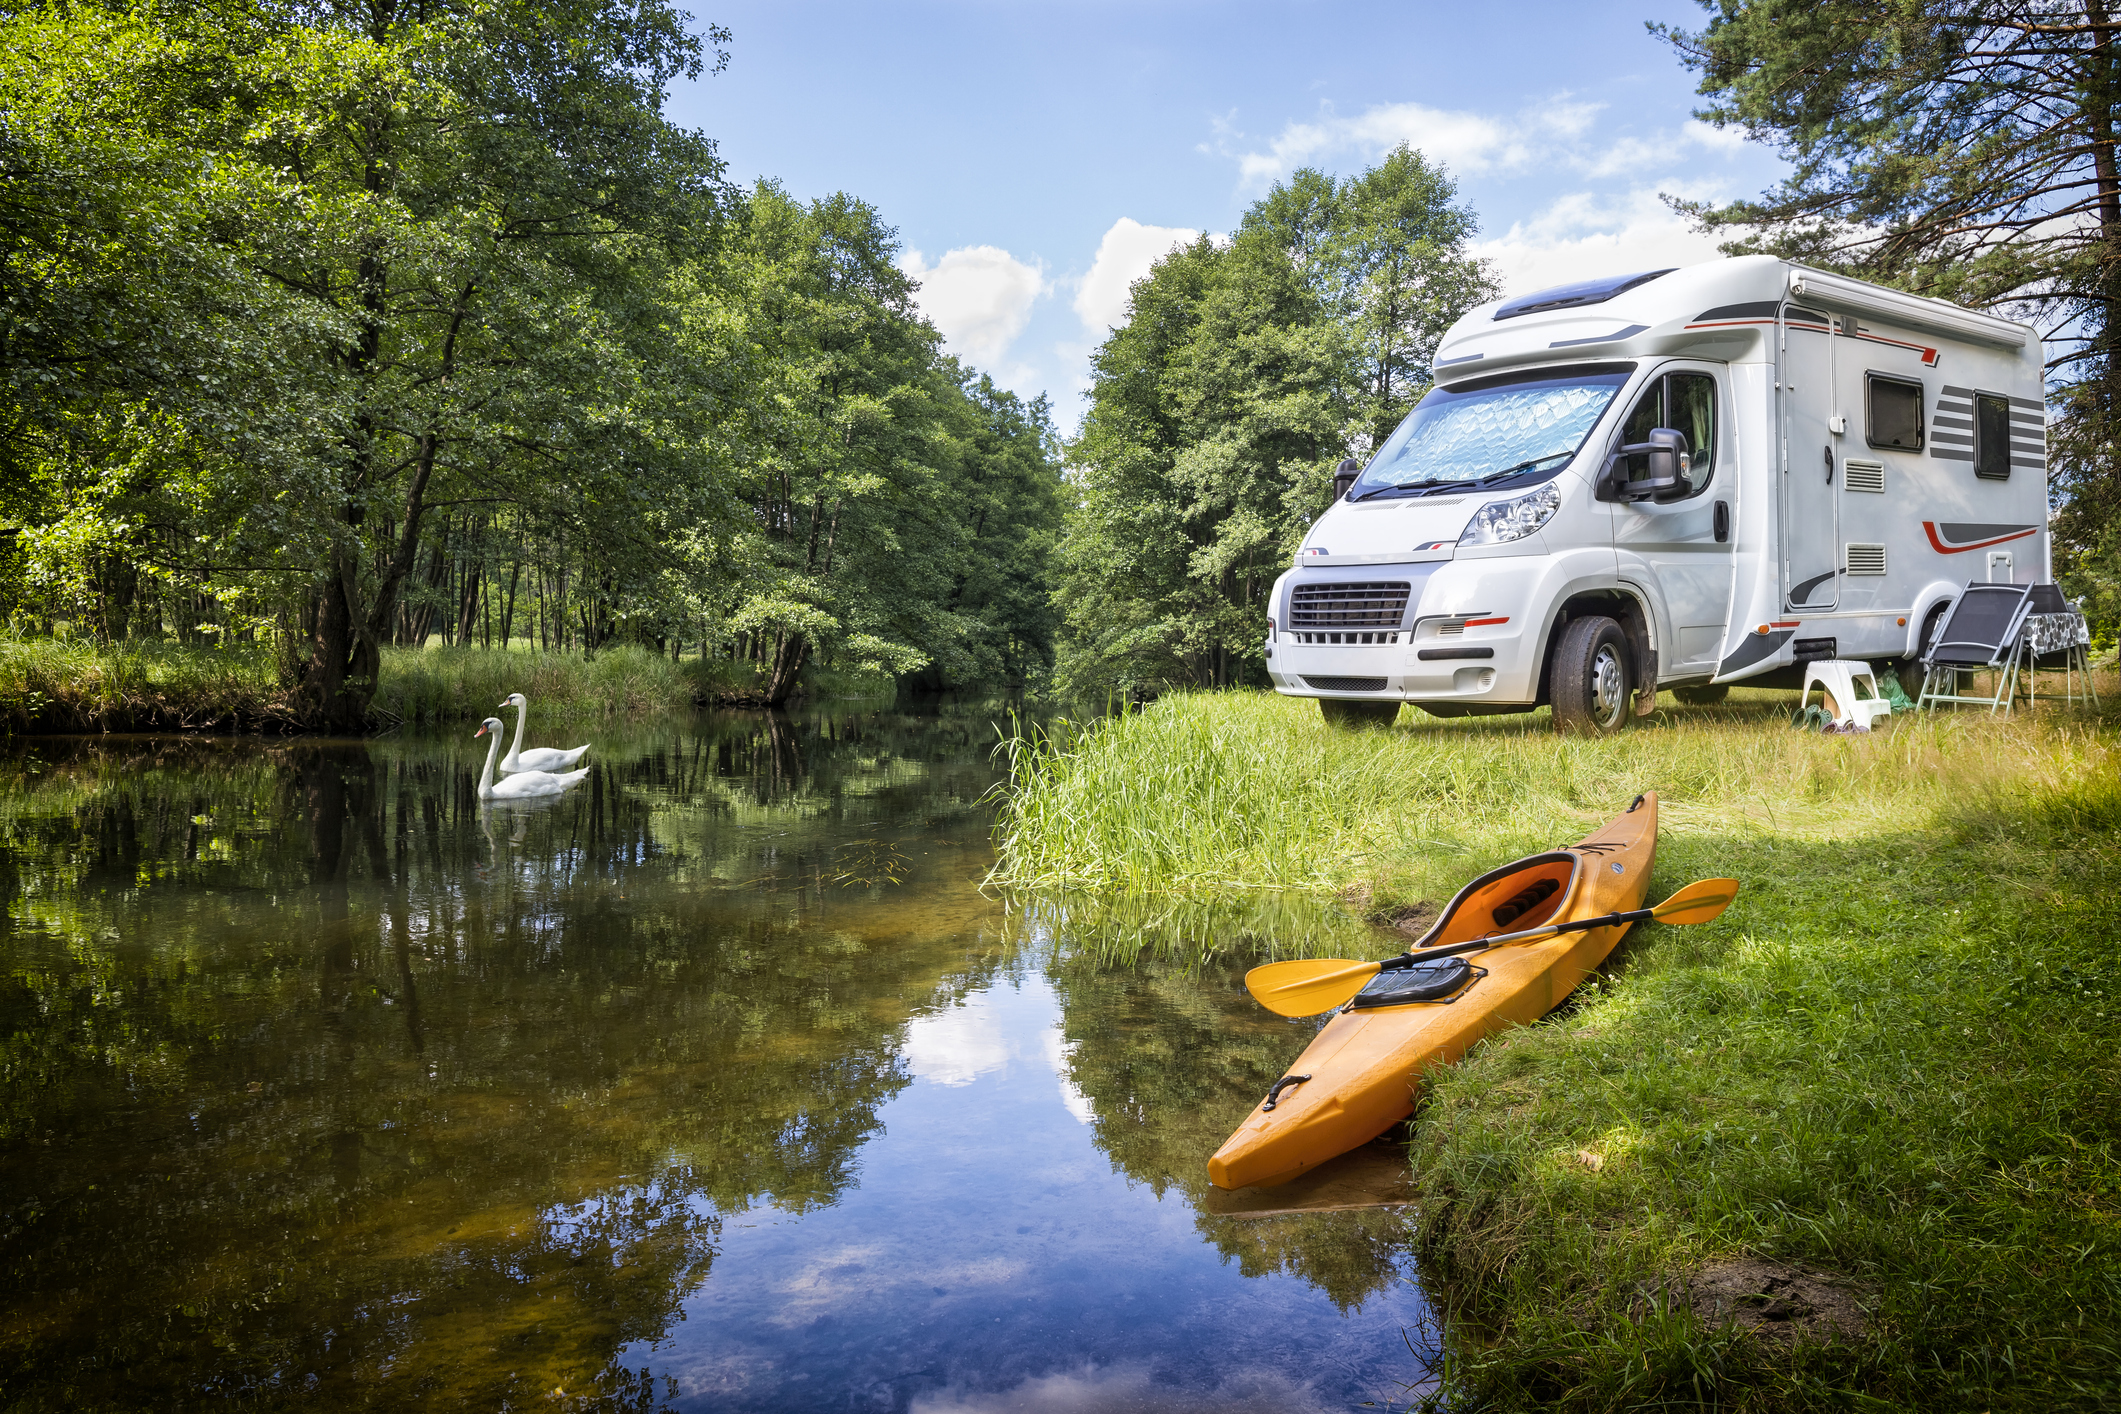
1492 430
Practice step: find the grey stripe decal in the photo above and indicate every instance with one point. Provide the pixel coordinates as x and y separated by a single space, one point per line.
1628 333
1802 593
1756 647
1951 392
2029 463
1759 309
2026 403
1942 455
1956 533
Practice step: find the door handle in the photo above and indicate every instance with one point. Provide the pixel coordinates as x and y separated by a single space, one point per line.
1829 466
1721 520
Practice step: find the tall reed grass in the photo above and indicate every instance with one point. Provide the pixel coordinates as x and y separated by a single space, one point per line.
55 686
467 684
1251 791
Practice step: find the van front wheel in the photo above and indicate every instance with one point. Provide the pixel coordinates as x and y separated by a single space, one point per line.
1341 713
1590 680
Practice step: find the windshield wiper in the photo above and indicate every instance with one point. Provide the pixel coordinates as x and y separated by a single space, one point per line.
1415 488
1521 466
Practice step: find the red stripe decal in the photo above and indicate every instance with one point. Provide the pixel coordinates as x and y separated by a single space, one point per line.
1929 528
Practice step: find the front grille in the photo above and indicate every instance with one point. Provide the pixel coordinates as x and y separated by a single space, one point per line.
1345 684
1349 636
1348 605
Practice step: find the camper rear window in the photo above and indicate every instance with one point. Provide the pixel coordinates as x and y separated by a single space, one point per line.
1507 430
1895 413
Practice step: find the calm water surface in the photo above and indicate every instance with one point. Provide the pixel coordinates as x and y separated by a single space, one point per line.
716 1085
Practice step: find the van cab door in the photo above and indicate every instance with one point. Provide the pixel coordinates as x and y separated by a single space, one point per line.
1811 472
1682 547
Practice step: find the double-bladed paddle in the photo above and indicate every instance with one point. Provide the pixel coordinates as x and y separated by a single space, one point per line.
1309 986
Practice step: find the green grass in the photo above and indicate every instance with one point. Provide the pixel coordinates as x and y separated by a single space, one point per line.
53 686
1893 1061
465 684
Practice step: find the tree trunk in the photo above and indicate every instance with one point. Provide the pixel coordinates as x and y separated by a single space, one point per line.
788 658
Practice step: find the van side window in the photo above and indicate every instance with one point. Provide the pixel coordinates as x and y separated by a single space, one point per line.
1690 404
1893 413
1686 403
1992 436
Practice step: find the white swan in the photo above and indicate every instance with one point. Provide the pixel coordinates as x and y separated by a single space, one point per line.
542 758
524 785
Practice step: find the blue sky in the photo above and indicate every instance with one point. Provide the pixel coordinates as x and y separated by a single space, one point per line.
1035 158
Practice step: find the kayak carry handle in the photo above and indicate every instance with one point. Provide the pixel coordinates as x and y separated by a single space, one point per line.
1285 1083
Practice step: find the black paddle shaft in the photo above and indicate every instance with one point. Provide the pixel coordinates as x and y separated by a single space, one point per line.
1393 964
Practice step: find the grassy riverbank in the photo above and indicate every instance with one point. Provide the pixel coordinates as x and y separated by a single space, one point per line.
1889 1069
48 686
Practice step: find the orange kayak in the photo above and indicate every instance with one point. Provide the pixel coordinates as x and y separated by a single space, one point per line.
1362 1073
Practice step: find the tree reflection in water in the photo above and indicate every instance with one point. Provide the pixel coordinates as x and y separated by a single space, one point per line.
325 1083
1172 1053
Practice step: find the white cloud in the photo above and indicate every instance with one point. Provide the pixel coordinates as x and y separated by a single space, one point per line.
1581 236
956 1046
979 297
1467 143
1123 256
1127 1389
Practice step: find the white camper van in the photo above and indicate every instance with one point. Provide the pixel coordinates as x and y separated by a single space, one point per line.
1676 479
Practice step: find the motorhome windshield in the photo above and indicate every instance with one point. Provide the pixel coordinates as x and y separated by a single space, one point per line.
1492 433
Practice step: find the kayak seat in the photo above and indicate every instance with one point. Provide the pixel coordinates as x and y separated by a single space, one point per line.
1536 888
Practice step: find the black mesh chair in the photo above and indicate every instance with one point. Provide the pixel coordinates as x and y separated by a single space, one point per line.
1984 631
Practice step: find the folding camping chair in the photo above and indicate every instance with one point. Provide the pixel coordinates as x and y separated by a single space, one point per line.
1983 631
2055 638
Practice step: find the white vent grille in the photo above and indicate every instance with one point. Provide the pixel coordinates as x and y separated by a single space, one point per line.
1866 559
1864 476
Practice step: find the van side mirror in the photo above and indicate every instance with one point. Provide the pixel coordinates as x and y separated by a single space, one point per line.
1344 476
1669 463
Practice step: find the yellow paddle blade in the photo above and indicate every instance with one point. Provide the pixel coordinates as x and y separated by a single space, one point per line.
1308 986
1698 902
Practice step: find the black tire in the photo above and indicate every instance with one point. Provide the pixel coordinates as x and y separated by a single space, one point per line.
1911 672
1592 680
1703 694
1339 712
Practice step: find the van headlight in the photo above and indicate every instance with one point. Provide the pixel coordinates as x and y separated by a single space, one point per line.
1500 522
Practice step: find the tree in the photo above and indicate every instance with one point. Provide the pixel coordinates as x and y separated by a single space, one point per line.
897 512
1965 151
1244 373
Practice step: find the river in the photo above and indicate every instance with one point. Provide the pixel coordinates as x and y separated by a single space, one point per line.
717 1084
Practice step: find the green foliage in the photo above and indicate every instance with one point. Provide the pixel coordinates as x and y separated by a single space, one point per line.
1244 373
900 509
1960 151
353 326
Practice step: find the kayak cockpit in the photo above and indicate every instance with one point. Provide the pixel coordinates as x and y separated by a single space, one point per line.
1526 893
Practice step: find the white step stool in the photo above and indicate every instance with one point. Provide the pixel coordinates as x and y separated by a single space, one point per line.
1851 686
